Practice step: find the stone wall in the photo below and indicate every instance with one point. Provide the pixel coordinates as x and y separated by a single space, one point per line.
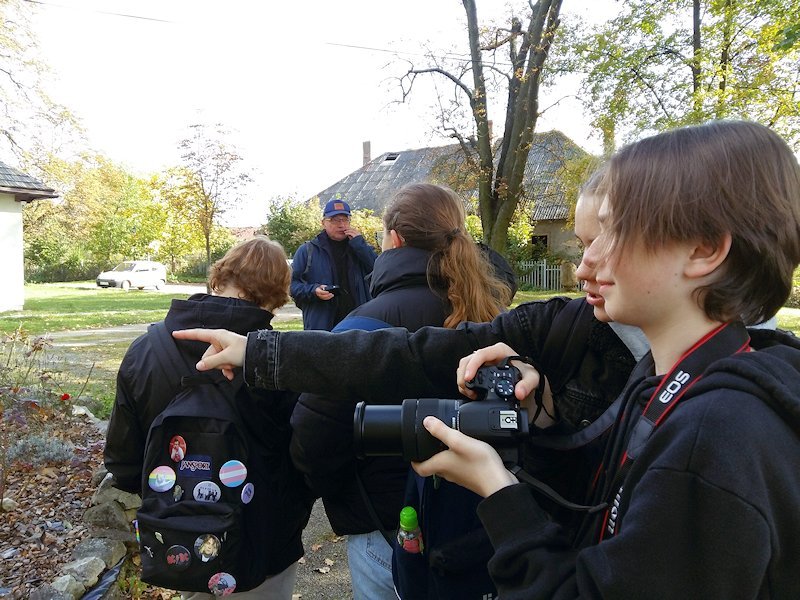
98 558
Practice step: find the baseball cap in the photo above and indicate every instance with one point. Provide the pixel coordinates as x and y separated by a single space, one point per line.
336 207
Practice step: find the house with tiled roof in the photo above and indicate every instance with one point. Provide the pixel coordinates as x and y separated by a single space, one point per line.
16 188
373 185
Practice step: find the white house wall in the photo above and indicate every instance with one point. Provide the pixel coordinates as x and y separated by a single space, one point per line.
12 272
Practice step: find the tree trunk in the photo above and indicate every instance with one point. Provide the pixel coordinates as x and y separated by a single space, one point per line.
500 192
696 57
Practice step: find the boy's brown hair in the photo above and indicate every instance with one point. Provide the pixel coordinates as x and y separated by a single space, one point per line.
258 268
700 182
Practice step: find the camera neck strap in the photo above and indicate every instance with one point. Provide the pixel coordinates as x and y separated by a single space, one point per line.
726 340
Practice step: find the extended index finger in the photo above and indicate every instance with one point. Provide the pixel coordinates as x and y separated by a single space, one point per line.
201 335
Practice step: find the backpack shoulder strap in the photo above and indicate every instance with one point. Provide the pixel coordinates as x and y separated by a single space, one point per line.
309 257
565 344
173 363
169 357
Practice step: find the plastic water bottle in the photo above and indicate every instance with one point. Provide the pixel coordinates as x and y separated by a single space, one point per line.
409 536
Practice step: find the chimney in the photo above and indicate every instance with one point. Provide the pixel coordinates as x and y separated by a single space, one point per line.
367 151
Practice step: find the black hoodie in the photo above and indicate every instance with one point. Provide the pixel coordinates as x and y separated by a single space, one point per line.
142 394
322 445
708 510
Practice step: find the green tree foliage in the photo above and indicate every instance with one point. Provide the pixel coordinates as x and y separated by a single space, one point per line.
291 223
511 59
667 63
789 38
105 215
210 178
518 243
125 218
370 225
181 236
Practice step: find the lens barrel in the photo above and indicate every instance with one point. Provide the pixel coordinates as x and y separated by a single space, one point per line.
377 430
391 430
398 431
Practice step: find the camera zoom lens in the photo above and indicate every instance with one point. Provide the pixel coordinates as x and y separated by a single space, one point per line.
376 430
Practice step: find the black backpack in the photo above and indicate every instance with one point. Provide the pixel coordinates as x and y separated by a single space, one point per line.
199 523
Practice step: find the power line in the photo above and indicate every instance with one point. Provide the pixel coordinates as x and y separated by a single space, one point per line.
465 58
102 12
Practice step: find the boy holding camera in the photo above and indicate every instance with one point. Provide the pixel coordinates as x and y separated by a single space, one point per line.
700 229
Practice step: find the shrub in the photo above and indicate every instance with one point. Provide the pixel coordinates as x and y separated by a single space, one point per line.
794 298
39 449
31 396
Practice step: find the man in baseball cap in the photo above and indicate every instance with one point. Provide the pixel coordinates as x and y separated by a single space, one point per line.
328 272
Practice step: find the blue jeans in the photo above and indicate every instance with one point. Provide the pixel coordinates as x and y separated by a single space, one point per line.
370 560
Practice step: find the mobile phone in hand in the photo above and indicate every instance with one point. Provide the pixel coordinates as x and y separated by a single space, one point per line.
334 289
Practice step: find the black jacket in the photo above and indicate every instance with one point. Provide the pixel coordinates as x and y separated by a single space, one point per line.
393 363
709 509
322 442
142 394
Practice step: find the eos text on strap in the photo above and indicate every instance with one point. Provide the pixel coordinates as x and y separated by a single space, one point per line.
726 340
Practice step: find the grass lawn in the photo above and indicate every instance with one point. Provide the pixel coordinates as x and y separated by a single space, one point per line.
63 307
51 307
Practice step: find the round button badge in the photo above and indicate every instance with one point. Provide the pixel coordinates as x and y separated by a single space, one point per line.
247 493
233 473
206 547
222 584
161 479
178 558
207 491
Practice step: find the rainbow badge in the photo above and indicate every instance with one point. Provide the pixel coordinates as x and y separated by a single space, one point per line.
161 479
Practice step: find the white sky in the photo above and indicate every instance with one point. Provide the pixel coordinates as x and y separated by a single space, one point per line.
275 72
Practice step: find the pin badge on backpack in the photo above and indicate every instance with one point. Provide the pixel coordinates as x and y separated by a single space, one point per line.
233 473
161 479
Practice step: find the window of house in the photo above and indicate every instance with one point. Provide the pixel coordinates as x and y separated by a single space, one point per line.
539 242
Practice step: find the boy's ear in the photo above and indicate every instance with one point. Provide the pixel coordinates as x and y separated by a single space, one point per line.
397 239
706 256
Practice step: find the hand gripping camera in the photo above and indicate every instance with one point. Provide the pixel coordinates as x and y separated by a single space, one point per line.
495 418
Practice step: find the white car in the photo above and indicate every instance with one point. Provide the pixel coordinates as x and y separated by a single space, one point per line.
134 273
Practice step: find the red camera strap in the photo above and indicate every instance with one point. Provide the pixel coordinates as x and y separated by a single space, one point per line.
724 341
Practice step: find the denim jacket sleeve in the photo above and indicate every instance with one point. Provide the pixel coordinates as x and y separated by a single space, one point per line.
390 362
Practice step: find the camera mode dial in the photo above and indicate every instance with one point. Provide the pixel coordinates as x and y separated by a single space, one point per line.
495 381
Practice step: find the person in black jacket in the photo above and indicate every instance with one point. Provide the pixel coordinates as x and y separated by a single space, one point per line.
430 273
251 280
699 480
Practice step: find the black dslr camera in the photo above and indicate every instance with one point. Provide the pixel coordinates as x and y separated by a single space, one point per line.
495 418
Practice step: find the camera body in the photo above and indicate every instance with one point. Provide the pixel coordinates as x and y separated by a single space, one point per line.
494 418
